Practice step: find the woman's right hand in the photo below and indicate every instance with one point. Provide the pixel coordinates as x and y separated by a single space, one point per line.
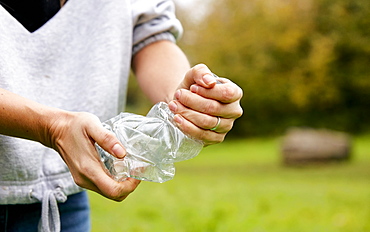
74 136
71 134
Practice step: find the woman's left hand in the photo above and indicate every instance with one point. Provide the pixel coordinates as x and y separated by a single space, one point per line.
206 106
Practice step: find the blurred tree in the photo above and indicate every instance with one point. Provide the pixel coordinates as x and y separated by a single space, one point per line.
299 62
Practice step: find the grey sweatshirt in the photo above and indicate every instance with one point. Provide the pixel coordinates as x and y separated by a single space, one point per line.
78 61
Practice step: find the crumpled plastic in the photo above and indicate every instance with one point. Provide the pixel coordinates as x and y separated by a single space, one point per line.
153 144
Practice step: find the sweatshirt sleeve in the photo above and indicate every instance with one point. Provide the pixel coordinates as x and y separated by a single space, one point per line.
154 20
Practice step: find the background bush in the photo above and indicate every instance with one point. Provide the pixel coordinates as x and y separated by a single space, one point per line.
300 63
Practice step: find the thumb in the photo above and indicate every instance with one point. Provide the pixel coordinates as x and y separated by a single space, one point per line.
200 74
108 141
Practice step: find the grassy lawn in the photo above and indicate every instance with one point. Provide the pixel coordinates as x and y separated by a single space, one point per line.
242 186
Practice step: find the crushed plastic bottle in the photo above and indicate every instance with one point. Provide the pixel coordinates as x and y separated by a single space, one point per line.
153 144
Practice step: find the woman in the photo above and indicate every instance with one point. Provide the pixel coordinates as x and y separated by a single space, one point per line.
65 70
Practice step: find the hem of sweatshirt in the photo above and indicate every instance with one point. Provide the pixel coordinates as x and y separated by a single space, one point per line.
28 192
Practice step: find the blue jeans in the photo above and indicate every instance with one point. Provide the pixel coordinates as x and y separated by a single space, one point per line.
74 215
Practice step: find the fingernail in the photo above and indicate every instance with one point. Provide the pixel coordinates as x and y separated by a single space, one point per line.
178 119
194 88
118 151
208 79
178 94
173 107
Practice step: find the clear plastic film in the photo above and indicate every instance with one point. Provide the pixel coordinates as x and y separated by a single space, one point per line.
153 144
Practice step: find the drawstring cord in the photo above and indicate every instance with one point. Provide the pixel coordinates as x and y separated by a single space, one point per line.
50 219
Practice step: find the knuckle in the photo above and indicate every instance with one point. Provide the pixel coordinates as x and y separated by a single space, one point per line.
204 136
117 197
199 67
229 93
207 122
120 193
211 107
184 98
85 170
108 137
229 126
87 118
234 112
241 93
211 122
240 112
219 138
114 194
215 140
185 128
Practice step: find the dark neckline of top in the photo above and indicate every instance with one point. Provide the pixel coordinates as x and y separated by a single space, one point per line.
32 14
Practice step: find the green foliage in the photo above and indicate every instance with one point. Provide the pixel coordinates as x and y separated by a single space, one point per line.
300 63
241 185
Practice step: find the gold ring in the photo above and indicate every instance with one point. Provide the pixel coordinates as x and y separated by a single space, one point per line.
218 124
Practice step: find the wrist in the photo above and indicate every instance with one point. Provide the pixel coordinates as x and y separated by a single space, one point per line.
23 118
49 120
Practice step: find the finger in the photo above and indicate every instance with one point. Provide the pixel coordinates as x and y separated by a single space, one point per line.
118 191
201 120
107 140
93 177
207 136
225 93
200 74
103 183
208 106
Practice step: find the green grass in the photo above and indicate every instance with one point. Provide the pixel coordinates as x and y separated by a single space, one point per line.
242 186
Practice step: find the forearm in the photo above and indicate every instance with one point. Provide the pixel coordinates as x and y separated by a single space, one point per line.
23 118
73 135
159 68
